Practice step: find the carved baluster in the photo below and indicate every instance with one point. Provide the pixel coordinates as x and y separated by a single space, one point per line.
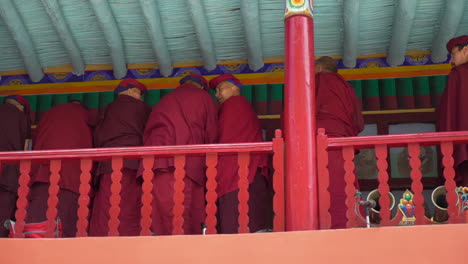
147 197
323 179
350 189
83 200
179 197
278 182
381 153
450 185
211 195
22 202
52 202
416 185
115 198
243 160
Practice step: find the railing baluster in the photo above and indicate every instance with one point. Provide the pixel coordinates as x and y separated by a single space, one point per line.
147 197
115 198
84 200
278 182
323 179
211 195
179 197
52 201
450 185
381 153
416 185
22 202
350 189
243 160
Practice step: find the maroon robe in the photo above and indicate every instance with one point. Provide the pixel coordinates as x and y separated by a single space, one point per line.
187 115
64 126
122 126
238 123
451 116
15 128
339 112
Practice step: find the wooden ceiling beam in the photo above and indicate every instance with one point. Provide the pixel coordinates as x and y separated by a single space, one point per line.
351 32
405 11
253 35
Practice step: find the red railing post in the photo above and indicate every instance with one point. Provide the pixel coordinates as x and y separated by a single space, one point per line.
147 197
243 159
211 195
179 196
299 118
416 185
53 201
116 187
84 200
22 202
278 181
323 179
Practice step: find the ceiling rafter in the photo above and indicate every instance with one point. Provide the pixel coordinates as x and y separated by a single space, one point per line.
448 28
54 12
155 31
251 18
18 30
111 31
351 32
205 40
403 19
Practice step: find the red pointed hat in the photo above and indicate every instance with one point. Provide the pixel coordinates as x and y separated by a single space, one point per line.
195 78
20 99
225 77
128 83
456 41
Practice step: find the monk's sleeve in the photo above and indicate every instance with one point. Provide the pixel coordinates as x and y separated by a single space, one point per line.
229 120
211 122
358 119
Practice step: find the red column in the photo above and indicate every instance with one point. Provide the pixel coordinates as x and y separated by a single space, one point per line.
299 119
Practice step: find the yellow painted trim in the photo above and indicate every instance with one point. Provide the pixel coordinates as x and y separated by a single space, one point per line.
396 69
399 111
269 116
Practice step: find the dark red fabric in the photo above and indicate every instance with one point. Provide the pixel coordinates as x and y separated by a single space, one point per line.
453 110
130 83
122 125
338 110
7 208
130 206
260 208
187 115
64 126
224 77
67 207
238 123
456 41
163 204
15 128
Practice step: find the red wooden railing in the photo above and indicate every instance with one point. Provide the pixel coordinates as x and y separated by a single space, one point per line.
148 155
381 144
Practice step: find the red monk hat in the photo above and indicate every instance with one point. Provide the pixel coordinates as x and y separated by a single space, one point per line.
197 78
225 77
128 83
461 40
20 99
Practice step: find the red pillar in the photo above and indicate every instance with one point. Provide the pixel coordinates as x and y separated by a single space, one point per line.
299 118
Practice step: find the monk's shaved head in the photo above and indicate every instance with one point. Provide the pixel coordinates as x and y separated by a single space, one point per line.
326 64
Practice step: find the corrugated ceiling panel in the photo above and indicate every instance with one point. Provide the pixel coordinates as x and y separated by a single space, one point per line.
47 44
376 19
179 31
272 27
426 24
131 24
463 27
227 29
85 28
10 57
328 27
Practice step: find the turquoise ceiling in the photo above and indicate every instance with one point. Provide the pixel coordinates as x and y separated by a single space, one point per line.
35 34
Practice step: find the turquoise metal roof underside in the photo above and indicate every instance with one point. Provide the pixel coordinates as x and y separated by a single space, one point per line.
119 32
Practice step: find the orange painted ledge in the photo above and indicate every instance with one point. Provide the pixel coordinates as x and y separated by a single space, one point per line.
417 244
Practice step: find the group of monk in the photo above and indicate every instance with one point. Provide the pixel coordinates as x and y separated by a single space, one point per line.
189 115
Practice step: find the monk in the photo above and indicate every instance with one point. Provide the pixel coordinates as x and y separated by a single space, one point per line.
187 115
15 129
453 108
64 126
238 123
339 112
122 126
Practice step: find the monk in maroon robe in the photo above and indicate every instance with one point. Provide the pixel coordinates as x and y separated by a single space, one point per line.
238 123
339 112
453 110
64 126
187 115
15 128
122 126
